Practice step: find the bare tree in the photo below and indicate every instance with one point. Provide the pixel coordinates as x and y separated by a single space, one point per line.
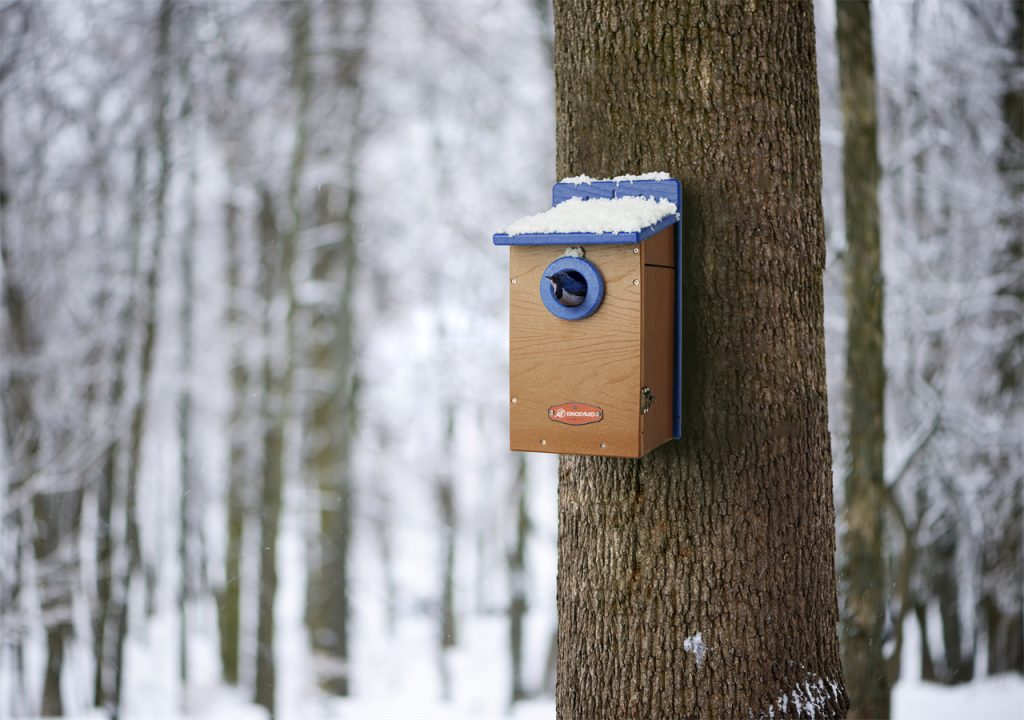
863 572
331 419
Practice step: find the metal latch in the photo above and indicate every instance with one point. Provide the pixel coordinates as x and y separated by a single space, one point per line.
646 400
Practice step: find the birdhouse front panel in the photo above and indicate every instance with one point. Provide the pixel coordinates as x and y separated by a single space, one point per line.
594 320
553 363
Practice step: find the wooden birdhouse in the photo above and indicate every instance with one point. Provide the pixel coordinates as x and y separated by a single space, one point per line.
594 326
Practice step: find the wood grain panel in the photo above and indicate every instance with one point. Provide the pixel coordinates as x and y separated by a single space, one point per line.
594 361
660 249
658 291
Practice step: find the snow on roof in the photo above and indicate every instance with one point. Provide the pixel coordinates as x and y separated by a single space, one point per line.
597 215
585 180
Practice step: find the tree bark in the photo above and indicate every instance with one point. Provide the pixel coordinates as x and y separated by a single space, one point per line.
275 401
229 597
279 251
862 572
448 517
1006 609
518 602
699 581
150 296
332 415
110 493
188 487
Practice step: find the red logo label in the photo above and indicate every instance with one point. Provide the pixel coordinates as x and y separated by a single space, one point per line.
575 413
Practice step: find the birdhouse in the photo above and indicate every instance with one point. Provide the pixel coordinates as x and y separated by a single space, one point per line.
594 318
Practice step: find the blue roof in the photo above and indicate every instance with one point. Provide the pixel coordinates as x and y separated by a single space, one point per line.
670 190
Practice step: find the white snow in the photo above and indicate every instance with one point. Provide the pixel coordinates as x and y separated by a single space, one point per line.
810 698
643 176
579 180
695 644
999 697
597 215
586 179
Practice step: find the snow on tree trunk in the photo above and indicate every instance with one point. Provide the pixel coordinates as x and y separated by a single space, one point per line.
699 581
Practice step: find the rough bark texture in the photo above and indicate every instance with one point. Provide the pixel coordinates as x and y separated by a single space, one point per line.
331 421
230 595
862 573
1004 616
275 402
699 581
518 602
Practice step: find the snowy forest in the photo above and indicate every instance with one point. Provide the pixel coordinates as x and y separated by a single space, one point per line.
254 358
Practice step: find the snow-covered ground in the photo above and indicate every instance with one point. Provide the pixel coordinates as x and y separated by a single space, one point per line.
403 684
993 698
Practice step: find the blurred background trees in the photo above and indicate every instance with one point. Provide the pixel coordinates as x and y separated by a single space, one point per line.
252 347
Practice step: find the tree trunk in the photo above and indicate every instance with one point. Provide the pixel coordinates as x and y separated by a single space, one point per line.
517 603
229 597
278 252
862 556
327 453
699 581
927 663
21 425
188 487
275 401
333 403
448 517
150 296
1006 630
110 547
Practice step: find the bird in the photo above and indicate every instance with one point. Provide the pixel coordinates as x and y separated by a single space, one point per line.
569 287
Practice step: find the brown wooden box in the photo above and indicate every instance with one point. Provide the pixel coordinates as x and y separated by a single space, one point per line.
603 361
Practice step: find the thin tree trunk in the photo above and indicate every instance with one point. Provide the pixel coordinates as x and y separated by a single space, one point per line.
1006 630
946 588
278 370
229 598
150 296
518 602
275 400
328 443
862 573
189 488
448 521
112 478
699 581
333 409
185 488
21 428
927 663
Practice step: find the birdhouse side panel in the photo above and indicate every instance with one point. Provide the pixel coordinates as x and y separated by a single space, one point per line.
660 249
659 310
575 384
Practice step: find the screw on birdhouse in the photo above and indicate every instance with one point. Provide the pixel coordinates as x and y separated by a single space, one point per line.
543 441
515 400
514 280
604 445
636 251
636 281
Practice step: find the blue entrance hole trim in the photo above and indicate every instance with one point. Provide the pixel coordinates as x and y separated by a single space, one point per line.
595 289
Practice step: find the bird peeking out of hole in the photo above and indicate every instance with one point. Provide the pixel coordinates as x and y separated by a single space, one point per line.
569 287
